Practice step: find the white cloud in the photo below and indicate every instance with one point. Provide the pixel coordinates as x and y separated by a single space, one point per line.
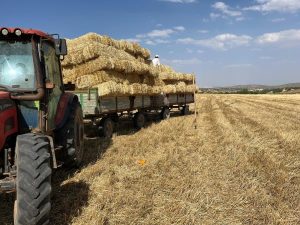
214 15
179 1
233 66
179 28
203 31
136 40
156 41
150 42
275 5
161 41
256 49
219 42
163 33
265 57
158 36
226 10
286 37
157 33
277 20
192 61
240 18
190 51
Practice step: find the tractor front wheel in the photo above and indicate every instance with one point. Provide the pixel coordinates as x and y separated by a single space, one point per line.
33 182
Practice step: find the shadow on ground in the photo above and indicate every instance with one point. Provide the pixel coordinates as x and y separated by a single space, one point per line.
68 198
126 127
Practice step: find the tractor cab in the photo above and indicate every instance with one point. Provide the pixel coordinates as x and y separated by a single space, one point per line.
30 72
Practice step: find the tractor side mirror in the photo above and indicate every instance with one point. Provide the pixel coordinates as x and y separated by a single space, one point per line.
61 48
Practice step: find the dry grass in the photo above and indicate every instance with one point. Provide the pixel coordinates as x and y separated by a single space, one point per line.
241 166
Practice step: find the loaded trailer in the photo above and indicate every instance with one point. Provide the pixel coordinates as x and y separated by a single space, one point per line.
42 120
105 111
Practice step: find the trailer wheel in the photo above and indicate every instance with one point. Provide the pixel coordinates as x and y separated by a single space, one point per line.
185 110
165 113
33 182
107 127
72 136
139 120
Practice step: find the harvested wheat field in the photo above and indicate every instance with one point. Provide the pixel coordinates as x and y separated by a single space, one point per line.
240 166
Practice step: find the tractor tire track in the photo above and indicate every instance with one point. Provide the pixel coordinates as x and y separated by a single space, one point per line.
277 176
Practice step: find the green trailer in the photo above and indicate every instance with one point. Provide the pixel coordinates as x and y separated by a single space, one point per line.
108 109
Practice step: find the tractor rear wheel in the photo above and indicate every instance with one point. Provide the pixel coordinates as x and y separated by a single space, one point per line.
33 182
75 137
72 137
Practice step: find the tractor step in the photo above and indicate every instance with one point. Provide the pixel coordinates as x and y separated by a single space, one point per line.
8 185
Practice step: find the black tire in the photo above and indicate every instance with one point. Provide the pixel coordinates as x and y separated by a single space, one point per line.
72 137
139 120
33 182
106 127
165 113
185 110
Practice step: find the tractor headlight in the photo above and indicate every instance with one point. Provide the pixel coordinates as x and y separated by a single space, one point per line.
4 31
18 32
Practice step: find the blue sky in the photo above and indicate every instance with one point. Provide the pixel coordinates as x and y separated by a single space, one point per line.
223 42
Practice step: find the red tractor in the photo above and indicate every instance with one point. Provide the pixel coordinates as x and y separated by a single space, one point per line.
41 126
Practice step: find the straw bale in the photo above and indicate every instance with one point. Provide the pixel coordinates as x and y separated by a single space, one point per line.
112 88
86 51
129 47
169 89
156 89
107 63
190 88
180 87
166 73
153 81
105 76
119 68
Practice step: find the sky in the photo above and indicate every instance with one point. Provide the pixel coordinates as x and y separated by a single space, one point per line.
223 42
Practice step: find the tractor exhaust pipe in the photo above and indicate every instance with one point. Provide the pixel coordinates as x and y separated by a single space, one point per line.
32 97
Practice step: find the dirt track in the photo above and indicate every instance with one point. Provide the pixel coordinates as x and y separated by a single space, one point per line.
241 166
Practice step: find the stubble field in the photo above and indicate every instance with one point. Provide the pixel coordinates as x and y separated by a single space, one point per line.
240 166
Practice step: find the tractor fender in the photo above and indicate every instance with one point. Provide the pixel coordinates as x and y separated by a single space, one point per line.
64 109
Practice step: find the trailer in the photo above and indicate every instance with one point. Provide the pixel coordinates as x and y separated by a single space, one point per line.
105 111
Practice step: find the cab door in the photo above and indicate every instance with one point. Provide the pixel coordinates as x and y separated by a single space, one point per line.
54 84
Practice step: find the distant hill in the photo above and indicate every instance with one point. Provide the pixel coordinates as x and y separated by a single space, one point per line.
258 86
255 89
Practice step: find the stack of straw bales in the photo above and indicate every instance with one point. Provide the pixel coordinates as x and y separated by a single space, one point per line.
119 68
